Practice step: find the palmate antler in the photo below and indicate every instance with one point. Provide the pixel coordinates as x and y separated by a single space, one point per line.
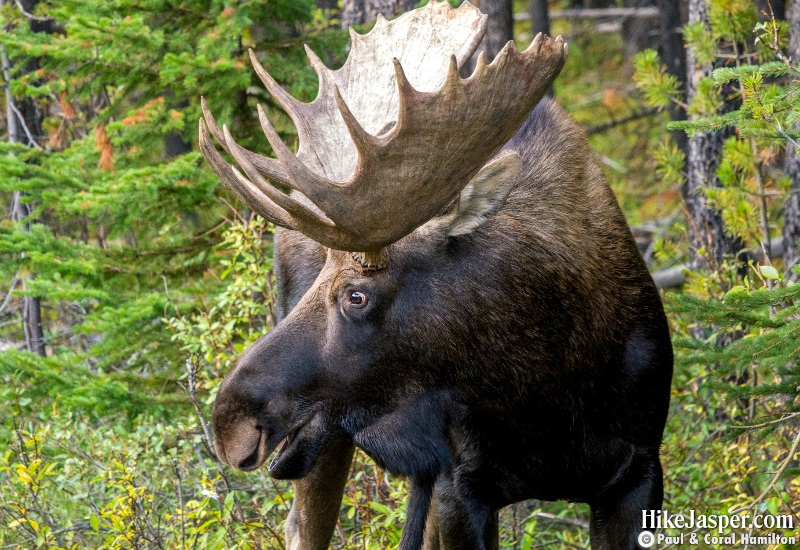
395 134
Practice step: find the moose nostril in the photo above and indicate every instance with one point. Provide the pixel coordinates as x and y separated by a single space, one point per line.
252 449
241 444
251 462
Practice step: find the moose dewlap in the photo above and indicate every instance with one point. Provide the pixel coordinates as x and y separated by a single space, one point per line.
459 295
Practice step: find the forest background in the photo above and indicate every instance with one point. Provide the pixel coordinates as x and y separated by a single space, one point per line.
130 280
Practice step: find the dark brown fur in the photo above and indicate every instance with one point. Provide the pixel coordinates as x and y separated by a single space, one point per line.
528 359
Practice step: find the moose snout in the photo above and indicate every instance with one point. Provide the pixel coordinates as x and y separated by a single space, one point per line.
263 399
239 437
250 417
243 446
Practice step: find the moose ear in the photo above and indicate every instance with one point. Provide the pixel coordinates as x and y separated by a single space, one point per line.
485 193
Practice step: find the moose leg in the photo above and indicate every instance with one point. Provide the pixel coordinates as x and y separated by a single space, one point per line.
463 523
432 528
420 495
616 519
318 498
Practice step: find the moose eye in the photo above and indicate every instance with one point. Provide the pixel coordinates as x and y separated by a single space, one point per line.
357 298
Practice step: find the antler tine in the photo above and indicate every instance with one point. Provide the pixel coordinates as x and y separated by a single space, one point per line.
243 189
355 38
323 73
480 66
452 78
536 41
366 143
405 92
282 200
301 178
504 52
441 140
306 222
266 166
289 104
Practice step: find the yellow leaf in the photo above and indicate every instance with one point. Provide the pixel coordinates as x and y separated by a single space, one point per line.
25 477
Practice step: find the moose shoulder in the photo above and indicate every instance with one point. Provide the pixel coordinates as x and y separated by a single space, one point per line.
495 339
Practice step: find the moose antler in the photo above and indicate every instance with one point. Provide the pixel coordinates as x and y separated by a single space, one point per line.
386 146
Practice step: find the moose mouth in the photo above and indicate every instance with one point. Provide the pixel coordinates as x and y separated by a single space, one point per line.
299 450
263 449
296 451
286 448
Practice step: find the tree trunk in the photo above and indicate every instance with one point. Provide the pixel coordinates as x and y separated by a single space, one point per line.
499 27
540 23
708 242
578 4
639 33
327 4
24 123
540 17
791 208
31 305
356 12
673 53
176 144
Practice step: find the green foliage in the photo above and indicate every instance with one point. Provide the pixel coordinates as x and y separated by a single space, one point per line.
124 246
705 46
706 101
731 20
752 380
242 309
659 87
120 488
768 318
669 161
751 94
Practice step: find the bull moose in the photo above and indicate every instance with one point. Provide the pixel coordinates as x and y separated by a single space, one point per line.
458 291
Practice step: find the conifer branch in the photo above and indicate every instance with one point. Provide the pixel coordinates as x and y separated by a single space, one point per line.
31 140
769 423
598 128
29 15
776 125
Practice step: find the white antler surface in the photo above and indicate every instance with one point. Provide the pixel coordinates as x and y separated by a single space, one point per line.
422 41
